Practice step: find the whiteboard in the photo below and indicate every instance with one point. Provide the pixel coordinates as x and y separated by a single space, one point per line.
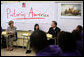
30 14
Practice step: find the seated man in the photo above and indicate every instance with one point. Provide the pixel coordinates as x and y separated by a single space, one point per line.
54 30
39 44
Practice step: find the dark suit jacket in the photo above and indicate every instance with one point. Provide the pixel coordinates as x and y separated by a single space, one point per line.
54 32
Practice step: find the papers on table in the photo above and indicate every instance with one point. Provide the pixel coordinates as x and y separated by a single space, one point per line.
4 33
49 35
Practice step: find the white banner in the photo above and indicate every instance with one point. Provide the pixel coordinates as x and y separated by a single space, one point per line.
27 12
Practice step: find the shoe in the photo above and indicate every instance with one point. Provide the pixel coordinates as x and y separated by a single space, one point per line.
28 51
11 49
7 49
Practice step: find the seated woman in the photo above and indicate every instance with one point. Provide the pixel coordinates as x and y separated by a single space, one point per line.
36 27
11 34
67 43
39 44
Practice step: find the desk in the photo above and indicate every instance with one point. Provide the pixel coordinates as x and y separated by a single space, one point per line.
23 35
49 36
27 35
4 33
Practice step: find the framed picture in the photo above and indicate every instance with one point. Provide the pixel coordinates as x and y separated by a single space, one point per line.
71 10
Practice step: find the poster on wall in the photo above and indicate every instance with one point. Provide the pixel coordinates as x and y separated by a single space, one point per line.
71 10
27 12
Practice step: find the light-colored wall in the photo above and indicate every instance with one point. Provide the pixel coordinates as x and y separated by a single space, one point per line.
67 24
70 23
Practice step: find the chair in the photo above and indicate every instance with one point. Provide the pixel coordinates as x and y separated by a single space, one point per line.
16 38
3 41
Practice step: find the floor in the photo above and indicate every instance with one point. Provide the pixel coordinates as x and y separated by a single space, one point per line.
16 52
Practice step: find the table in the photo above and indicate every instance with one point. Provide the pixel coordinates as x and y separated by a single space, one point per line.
26 36
49 36
23 37
4 33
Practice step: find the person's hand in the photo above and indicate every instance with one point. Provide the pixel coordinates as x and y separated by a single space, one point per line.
10 32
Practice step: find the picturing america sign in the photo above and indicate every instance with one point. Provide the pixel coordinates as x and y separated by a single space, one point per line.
28 12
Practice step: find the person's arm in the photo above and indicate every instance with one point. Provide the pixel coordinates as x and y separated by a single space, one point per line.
49 30
11 32
14 30
58 31
8 31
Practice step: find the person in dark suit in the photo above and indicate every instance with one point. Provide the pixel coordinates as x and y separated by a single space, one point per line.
54 30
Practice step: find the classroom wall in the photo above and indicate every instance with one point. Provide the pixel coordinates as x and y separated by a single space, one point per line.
66 24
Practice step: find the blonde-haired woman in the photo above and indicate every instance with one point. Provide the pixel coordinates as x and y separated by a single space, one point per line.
11 34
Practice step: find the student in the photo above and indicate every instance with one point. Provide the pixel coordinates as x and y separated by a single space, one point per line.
79 40
54 30
67 43
78 33
39 44
79 28
36 27
11 34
